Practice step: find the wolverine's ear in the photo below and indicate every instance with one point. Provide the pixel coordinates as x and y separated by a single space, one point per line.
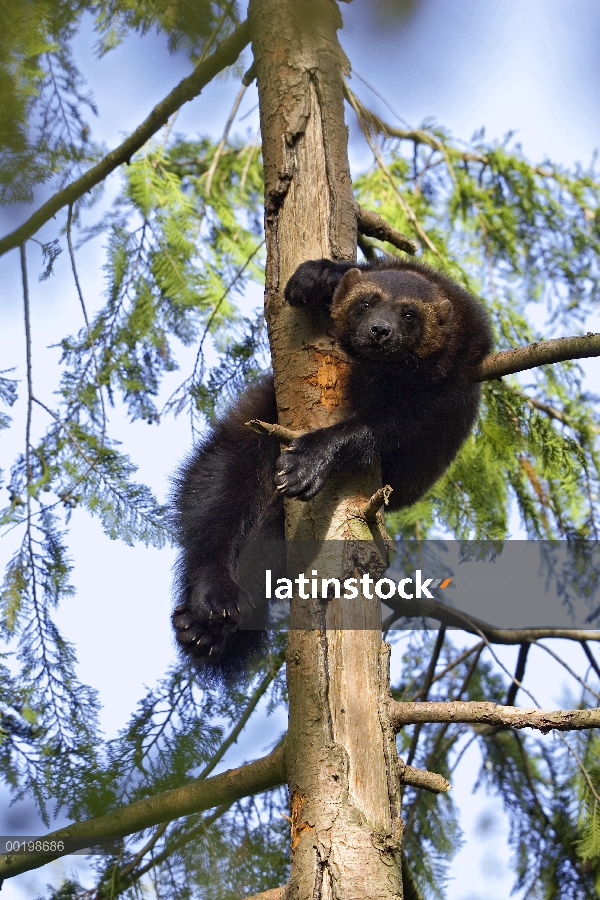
352 277
444 311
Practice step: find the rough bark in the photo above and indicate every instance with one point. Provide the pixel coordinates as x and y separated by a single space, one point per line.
341 761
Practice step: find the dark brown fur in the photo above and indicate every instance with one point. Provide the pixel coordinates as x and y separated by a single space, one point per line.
415 338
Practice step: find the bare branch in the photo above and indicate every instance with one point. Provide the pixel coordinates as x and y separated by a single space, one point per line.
421 778
405 206
252 778
477 713
380 498
566 666
451 665
126 871
242 721
373 225
87 321
215 160
542 353
225 55
283 435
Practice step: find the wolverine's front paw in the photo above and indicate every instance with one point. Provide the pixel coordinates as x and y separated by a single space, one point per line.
301 470
314 282
203 624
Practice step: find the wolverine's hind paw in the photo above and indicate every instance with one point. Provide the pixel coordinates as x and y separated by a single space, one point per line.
204 624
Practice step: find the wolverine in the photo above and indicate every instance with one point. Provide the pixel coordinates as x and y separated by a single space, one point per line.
414 338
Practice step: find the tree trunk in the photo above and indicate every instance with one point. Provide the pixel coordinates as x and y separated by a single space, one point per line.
341 761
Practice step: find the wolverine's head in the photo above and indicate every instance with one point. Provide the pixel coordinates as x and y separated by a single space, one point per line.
390 315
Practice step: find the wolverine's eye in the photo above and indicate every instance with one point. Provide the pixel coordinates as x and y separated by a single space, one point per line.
365 305
409 316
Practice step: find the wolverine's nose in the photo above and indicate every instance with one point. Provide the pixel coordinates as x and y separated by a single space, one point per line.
380 330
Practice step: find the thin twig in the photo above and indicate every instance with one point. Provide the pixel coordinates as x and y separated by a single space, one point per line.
215 160
39 617
569 669
128 869
241 723
451 665
519 673
589 655
550 411
87 321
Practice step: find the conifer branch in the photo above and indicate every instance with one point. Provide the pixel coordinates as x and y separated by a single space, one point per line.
234 784
87 322
532 402
225 55
185 838
417 136
243 720
482 713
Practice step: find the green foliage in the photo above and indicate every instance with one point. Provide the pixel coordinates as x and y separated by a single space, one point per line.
8 395
178 732
520 237
44 132
185 22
